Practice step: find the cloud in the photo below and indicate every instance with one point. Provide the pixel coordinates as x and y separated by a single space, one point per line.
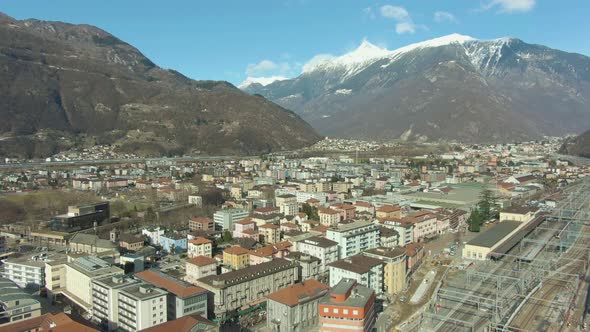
404 22
395 12
442 16
511 6
268 68
264 81
317 60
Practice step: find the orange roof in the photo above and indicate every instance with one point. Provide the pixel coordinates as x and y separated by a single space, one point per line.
388 208
250 231
245 221
185 323
174 286
312 200
235 250
200 240
327 211
264 251
413 248
293 294
363 204
343 206
271 226
202 220
63 323
283 245
201 261
266 209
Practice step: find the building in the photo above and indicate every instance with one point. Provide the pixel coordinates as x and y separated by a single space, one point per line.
196 200
404 229
414 257
320 247
192 323
153 234
225 219
246 228
425 225
346 211
141 306
90 244
481 246
236 257
235 289
328 217
200 246
200 267
105 299
310 266
287 204
347 307
196 224
81 217
270 233
388 237
130 242
394 271
183 298
389 211
173 243
25 271
518 213
354 237
15 304
294 308
366 270
79 275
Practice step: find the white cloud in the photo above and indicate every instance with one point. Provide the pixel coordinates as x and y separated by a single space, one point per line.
395 12
317 60
442 16
261 80
404 22
511 6
268 68
405 27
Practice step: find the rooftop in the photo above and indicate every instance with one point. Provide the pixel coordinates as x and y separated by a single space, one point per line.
359 264
236 250
201 261
492 236
321 242
299 293
248 273
177 287
358 298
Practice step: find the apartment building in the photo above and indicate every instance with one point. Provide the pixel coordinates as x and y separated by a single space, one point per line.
320 247
183 298
197 224
270 233
394 271
347 307
25 271
328 217
354 237
141 306
405 229
236 257
105 300
16 304
225 219
294 308
366 270
199 267
287 204
234 289
200 246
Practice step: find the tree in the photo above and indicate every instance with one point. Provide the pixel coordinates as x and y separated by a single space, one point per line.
227 236
150 215
486 203
310 211
475 220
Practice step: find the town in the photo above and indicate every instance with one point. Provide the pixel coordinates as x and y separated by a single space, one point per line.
346 239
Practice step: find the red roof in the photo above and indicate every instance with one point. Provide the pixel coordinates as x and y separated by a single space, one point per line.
235 250
170 284
245 221
270 226
202 220
201 261
291 295
185 323
389 208
200 240
49 322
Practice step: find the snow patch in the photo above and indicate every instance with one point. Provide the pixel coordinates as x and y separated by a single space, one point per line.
264 81
343 91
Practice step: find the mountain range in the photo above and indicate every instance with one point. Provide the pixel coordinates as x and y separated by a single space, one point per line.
67 86
450 88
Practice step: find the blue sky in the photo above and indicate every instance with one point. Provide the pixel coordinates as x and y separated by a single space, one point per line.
231 40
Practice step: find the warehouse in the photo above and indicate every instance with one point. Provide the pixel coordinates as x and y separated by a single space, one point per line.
480 247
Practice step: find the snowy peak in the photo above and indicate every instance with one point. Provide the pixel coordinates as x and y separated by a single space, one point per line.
264 81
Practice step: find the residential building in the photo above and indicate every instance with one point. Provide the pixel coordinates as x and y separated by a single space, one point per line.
414 256
366 270
16 304
173 242
518 213
394 271
270 233
130 242
320 247
310 266
246 228
389 211
354 237
197 224
404 229
388 237
328 217
47 322
347 211
234 289
183 298
225 219
425 225
105 299
25 271
141 306
348 306
200 246
196 200
236 257
153 234
200 267
295 308
287 204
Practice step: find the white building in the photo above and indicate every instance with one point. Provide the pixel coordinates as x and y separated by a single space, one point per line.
287 204
322 248
200 246
225 219
196 200
354 237
404 229
153 234
25 271
367 271
105 300
141 306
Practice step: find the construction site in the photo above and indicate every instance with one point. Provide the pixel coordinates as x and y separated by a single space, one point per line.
537 280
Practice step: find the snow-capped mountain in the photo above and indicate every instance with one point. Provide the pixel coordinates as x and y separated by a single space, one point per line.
452 87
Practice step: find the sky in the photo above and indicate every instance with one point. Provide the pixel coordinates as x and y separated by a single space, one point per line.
233 40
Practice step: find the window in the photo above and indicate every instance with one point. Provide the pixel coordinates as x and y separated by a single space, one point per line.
345 311
335 310
326 310
355 312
